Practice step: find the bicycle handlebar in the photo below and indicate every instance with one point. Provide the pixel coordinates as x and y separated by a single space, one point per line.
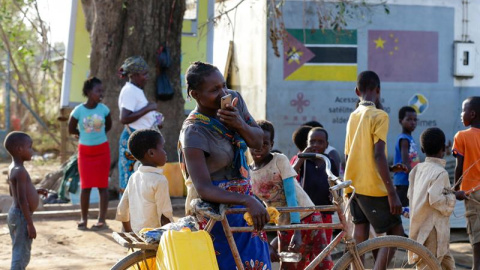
339 184
320 156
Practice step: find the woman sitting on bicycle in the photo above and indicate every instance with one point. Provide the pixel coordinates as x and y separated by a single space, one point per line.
212 145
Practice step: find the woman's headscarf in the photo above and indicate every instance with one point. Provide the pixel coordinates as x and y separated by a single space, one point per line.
132 65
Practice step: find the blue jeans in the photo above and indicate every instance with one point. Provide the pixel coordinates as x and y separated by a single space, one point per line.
21 244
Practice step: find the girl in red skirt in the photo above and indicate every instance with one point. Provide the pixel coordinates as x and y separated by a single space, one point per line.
91 121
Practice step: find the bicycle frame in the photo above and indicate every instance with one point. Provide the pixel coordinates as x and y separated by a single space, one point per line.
352 251
338 206
336 184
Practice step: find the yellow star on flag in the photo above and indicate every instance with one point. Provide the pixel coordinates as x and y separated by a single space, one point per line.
294 55
379 42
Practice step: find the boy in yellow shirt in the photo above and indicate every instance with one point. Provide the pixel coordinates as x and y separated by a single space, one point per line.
375 201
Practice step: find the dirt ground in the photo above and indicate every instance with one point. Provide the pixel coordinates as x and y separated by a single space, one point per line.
59 245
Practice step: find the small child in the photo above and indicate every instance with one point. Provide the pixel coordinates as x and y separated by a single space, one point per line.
466 149
300 136
146 200
431 200
313 178
330 151
273 182
25 198
406 151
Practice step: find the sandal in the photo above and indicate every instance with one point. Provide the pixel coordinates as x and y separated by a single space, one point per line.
82 225
99 226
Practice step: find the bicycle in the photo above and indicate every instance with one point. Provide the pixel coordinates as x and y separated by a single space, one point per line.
361 256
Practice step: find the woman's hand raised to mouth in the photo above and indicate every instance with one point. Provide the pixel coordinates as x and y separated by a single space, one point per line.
230 116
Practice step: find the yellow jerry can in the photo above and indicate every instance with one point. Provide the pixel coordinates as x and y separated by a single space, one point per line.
185 250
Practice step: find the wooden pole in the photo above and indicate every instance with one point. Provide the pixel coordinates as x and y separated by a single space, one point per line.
231 243
63 135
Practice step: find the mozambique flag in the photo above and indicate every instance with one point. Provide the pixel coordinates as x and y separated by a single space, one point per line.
322 55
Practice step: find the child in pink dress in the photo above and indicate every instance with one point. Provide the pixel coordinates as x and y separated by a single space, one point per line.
273 181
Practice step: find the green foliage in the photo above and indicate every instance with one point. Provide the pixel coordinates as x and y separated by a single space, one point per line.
41 141
46 65
23 36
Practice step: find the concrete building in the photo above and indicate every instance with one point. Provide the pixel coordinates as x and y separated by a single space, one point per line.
425 52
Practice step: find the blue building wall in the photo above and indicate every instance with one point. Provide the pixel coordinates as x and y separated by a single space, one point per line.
292 102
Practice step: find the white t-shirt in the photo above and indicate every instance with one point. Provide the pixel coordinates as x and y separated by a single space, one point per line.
145 199
329 149
133 99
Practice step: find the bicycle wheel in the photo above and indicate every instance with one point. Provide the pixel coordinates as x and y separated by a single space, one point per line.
138 260
400 246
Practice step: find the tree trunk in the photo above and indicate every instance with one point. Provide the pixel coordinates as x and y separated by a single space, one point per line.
123 28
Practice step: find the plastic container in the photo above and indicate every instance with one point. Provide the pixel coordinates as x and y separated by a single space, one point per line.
176 184
186 250
75 197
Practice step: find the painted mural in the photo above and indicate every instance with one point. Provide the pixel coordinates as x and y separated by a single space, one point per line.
403 56
299 103
419 102
320 55
410 49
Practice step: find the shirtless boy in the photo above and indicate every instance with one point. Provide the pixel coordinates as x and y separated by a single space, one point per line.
25 199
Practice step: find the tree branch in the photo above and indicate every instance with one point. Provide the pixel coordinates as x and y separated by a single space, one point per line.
20 78
213 19
42 33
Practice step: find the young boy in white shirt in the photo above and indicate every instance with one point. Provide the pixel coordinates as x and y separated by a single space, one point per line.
146 200
431 200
